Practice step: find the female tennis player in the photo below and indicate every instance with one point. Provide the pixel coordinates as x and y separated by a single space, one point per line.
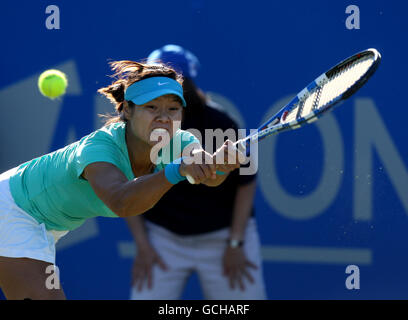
108 173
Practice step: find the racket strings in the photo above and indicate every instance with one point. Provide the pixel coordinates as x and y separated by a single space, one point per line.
300 108
304 107
317 98
323 93
312 101
343 79
336 85
292 114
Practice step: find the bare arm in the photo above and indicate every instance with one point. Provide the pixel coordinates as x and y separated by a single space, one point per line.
235 263
146 256
126 197
137 228
242 210
217 181
226 151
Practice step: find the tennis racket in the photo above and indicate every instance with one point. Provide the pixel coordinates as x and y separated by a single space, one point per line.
321 95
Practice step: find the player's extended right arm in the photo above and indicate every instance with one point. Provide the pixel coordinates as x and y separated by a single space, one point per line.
125 197
133 197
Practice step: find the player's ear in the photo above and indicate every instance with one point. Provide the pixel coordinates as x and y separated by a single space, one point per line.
127 110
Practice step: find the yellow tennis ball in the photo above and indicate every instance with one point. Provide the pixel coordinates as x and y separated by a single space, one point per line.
52 83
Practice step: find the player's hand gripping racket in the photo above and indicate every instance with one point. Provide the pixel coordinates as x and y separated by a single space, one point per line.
320 96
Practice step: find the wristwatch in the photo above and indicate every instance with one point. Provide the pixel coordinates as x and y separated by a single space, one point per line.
234 243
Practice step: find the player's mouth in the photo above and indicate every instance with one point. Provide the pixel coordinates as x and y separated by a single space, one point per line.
159 130
160 133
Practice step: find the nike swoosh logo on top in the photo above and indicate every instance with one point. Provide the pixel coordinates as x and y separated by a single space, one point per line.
162 83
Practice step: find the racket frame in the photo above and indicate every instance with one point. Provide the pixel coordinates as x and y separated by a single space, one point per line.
273 125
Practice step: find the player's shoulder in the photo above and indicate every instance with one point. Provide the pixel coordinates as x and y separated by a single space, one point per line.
112 129
113 134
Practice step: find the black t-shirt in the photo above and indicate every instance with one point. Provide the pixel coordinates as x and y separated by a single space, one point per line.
193 209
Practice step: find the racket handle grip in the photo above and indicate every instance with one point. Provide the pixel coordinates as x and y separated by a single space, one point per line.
190 179
242 141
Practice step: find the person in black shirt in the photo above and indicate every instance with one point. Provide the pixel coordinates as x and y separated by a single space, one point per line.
209 230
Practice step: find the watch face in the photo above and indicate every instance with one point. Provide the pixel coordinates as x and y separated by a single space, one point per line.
233 243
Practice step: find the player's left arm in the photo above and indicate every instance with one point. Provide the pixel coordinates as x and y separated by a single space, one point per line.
196 151
226 159
230 160
215 182
242 210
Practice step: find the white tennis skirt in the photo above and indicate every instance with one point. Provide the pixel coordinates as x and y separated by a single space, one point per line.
21 236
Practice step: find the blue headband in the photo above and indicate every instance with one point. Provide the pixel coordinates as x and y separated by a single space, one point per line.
148 89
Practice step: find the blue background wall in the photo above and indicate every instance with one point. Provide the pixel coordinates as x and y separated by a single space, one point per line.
322 204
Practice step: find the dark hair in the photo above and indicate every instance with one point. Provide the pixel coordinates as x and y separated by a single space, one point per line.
126 73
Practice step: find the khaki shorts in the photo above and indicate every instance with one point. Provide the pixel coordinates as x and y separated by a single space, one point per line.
202 254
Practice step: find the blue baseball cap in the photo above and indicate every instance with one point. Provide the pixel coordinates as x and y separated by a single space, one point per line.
180 59
148 89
